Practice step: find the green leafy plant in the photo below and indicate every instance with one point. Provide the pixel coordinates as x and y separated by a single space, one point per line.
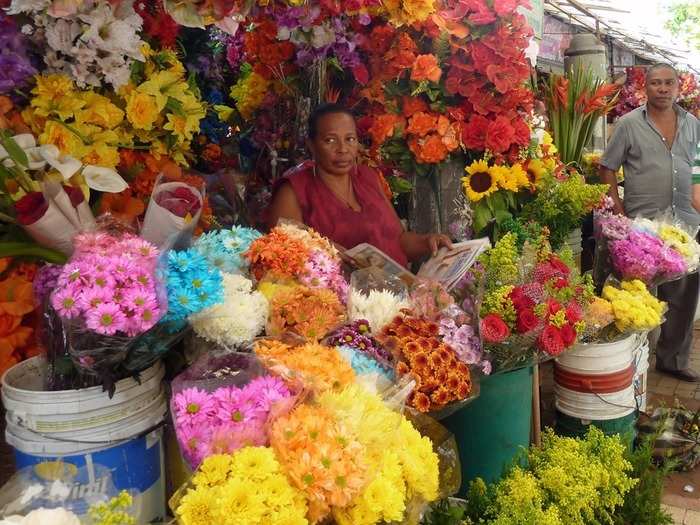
575 102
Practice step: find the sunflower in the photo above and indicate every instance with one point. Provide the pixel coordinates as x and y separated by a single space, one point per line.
535 170
482 181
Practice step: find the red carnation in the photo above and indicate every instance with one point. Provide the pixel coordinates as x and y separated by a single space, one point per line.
553 306
522 132
499 135
481 15
507 7
527 321
560 283
520 300
550 340
560 266
574 313
568 335
31 208
474 133
493 329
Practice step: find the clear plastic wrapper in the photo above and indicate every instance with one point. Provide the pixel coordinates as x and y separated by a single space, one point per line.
58 493
225 401
376 297
512 353
173 213
634 308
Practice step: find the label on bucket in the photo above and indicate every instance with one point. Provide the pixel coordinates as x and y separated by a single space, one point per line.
135 465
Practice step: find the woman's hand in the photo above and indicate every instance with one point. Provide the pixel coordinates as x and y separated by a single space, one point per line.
436 241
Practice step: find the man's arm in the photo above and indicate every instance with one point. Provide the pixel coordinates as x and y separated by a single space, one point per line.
609 177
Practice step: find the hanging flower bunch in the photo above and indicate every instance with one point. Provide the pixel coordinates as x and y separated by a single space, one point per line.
317 367
193 285
635 309
16 65
109 284
16 305
440 377
94 41
225 14
320 458
270 57
220 491
79 122
238 319
401 463
162 109
226 419
224 249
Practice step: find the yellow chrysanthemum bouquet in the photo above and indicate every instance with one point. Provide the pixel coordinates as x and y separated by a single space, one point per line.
634 307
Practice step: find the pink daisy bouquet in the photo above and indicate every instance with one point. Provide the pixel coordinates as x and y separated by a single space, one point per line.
224 403
107 295
638 249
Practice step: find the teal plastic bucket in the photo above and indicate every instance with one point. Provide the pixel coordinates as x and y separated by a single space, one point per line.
493 429
576 427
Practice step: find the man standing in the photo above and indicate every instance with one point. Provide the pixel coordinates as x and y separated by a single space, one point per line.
656 145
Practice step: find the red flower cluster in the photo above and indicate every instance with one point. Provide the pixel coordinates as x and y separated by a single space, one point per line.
489 72
267 54
157 22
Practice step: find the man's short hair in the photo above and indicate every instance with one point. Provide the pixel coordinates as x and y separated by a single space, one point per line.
660 65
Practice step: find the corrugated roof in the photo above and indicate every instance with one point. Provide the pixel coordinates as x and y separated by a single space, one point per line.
640 32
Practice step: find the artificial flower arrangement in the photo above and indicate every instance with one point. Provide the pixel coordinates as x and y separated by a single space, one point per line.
47 190
225 402
108 294
653 251
238 319
94 41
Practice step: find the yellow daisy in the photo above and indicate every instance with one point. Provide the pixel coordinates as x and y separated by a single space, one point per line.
142 109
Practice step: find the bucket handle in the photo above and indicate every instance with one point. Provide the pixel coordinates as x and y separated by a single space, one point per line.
113 442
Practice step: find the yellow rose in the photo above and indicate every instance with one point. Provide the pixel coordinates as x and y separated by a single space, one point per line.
142 110
101 154
66 141
99 110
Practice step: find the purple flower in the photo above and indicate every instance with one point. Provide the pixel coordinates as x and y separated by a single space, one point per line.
45 281
16 68
645 257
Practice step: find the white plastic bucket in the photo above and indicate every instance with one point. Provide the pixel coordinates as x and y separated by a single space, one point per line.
641 365
594 407
599 359
87 428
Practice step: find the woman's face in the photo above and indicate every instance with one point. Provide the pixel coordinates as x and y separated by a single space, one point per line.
335 146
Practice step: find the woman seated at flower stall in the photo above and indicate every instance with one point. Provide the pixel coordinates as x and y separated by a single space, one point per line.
343 200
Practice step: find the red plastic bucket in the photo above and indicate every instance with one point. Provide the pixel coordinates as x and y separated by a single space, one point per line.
594 384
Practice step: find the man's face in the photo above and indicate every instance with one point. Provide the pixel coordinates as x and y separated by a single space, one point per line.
662 88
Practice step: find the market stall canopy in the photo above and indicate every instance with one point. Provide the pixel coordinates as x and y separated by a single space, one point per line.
629 26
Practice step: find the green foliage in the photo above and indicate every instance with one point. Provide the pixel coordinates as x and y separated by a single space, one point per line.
568 481
562 205
445 513
685 22
643 503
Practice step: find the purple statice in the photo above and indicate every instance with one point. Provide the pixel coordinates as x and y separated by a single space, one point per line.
16 68
357 336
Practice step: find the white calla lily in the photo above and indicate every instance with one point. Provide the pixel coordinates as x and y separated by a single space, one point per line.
104 179
65 164
23 140
36 160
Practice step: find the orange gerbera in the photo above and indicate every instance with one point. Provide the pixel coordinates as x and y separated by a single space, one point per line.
422 123
426 67
123 206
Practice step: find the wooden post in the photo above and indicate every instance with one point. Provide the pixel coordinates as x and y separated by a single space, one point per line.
536 414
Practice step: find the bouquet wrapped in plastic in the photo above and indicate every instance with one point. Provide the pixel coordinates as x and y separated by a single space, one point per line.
634 308
377 297
347 457
223 402
108 294
652 251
